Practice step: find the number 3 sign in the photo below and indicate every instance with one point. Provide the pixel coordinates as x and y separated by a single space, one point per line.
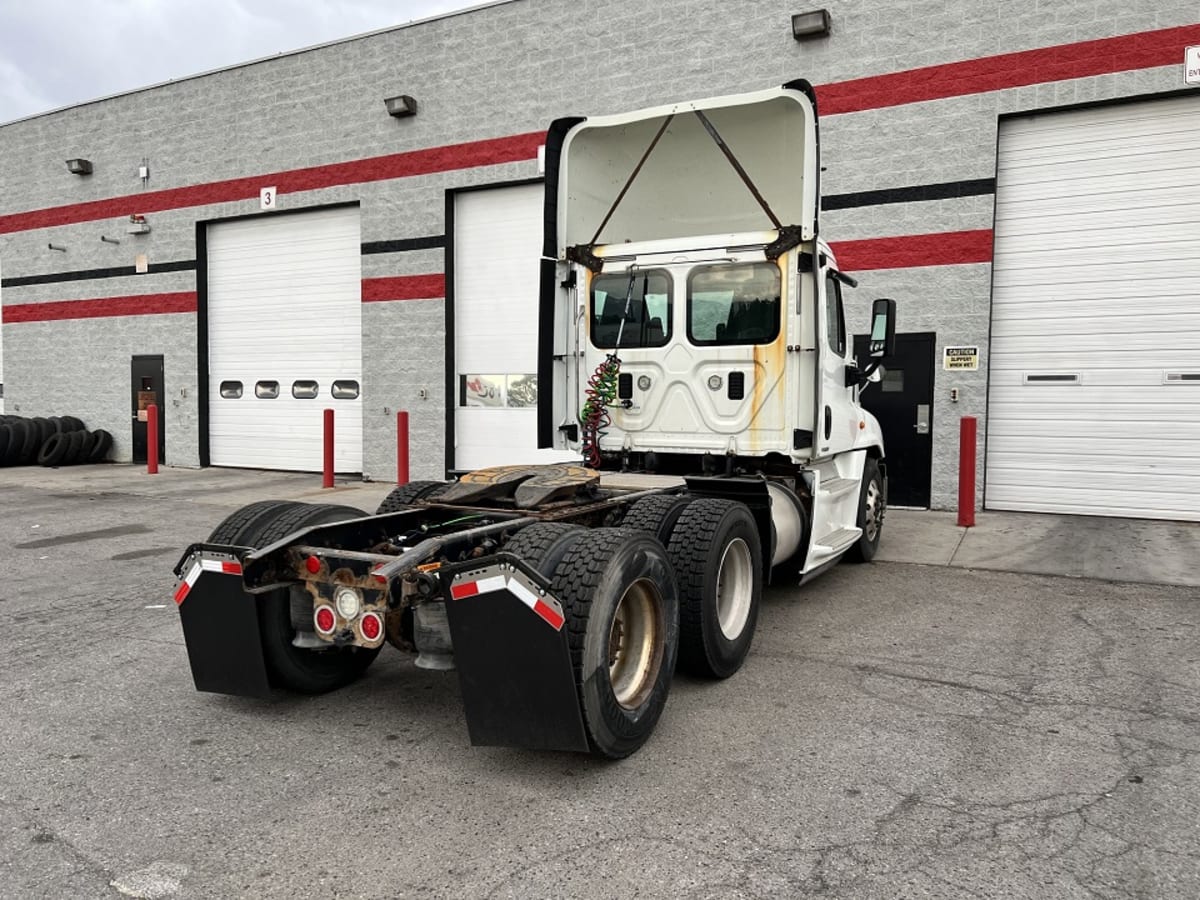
266 198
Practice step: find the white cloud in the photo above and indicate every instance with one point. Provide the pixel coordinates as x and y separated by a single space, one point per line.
57 53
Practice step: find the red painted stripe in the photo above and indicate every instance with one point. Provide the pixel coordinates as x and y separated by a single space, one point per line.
140 305
547 612
380 168
231 568
404 287
181 593
466 589
951 248
1144 50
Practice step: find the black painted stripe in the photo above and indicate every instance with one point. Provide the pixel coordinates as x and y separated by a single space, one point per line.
182 265
947 190
429 242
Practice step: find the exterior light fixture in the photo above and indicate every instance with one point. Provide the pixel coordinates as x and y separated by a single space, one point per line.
79 166
401 107
810 24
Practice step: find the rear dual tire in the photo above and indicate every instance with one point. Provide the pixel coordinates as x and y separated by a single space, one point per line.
289 667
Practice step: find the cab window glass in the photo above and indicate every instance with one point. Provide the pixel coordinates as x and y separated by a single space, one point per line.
835 318
734 304
649 300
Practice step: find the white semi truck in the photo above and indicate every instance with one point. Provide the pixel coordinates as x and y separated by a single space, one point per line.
694 352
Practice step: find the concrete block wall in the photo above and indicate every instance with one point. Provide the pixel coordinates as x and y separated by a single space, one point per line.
492 73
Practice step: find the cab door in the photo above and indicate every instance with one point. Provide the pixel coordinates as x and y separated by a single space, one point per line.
836 426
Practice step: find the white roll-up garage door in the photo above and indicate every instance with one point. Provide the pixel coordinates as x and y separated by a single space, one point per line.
1094 385
497 253
285 340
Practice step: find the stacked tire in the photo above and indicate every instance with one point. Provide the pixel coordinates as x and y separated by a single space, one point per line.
51 441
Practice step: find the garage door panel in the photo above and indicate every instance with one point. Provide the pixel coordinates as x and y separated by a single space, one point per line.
1097 262
497 272
284 305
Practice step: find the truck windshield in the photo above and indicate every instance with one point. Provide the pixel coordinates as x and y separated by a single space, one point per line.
734 304
649 321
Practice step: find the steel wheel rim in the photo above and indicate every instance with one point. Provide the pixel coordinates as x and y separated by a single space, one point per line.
635 644
873 512
735 588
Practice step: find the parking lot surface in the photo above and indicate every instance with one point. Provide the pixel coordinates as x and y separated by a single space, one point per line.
899 730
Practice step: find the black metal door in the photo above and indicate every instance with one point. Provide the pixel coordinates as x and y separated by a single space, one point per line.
903 404
146 387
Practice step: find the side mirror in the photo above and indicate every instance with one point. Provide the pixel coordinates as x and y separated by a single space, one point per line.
882 343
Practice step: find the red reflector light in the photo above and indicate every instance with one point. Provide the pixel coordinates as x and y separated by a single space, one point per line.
372 626
324 619
313 564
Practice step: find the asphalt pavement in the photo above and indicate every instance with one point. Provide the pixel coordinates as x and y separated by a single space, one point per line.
1006 711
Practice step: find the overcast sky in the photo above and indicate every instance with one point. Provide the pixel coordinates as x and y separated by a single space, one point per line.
56 53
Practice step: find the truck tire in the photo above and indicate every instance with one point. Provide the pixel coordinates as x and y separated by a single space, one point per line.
717 554
657 514
230 529
78 443
405 495
29 442
871 507
101 443
5 441
294 668
54 450
544 545
621 604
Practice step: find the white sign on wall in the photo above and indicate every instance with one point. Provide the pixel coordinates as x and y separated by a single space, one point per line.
1191 65
266 198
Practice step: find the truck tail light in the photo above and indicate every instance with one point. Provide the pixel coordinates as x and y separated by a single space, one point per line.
371 626
324 620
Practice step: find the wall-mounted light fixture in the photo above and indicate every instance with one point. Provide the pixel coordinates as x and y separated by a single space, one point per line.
401 107
79 166
810 24
138 224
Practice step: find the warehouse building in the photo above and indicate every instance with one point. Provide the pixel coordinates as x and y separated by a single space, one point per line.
359 225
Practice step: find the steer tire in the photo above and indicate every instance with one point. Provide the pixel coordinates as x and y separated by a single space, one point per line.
543 545
872 503
403 496
292 668
657 514
717 554
621 604
54 450
101 444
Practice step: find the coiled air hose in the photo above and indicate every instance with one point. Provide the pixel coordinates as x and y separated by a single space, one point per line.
601 393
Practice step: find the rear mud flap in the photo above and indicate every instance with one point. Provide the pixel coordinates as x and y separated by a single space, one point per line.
514 666
220 625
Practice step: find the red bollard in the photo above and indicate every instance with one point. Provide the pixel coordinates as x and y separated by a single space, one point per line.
401 448
152 439
327 481
966 472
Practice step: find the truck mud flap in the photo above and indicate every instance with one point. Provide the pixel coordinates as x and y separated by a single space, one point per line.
514 666
220 625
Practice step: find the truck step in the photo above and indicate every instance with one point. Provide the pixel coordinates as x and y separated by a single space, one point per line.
837 541
835 487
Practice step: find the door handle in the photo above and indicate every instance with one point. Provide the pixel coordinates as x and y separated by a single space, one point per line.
922 423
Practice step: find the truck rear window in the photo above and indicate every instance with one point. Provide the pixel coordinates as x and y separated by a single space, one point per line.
734 304
649 321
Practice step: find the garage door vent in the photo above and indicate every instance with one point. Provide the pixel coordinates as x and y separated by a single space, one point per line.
1052 378
1181 378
